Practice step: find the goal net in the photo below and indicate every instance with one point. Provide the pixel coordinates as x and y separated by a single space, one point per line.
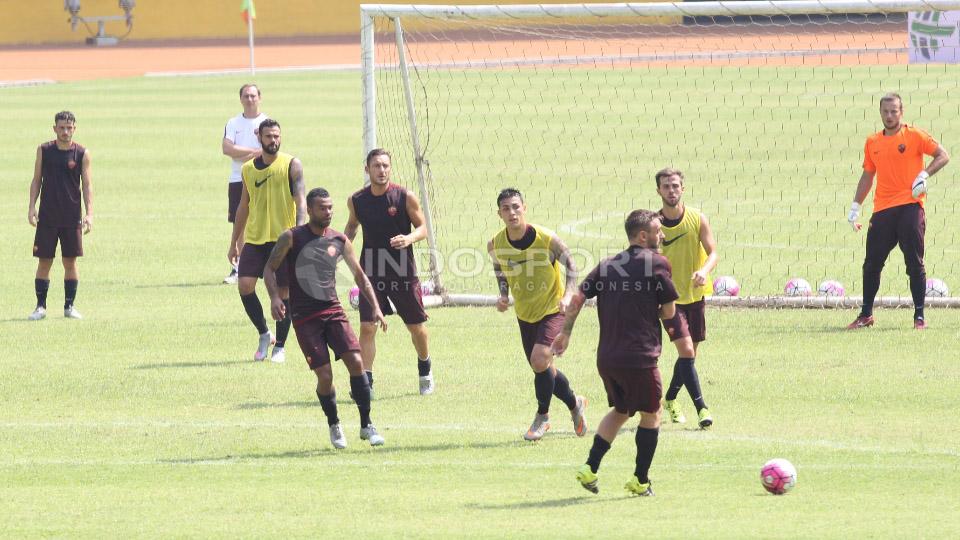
765 107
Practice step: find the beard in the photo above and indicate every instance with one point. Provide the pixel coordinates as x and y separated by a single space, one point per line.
272 148
320 223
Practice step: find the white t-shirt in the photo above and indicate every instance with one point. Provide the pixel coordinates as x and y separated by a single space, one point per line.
242 131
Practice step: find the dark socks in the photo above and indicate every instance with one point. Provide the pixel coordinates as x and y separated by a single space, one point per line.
360 389
254 311
423 367
918 290
329 406
283 326
690 379
562 390
676 383
69 292
646 447
543 383
871 285
369 375
41 286
597 451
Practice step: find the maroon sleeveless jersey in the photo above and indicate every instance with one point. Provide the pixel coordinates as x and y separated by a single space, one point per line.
60 189
312 271
383 217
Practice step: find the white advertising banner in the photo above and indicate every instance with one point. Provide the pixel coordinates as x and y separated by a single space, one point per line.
934 37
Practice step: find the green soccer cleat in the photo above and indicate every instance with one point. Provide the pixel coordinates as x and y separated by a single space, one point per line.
705 419
673 409
587 479
636 488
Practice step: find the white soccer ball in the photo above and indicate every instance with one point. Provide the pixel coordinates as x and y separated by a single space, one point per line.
726 286
831 288
936 288
797 287
778 476
355 298
427 288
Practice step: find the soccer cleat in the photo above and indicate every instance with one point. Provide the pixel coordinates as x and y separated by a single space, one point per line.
587 479
673 409
705 420
38 314
337 438
426 384
636 488
861 322
919 324
266 340
369 433
540 425
71 313
579 420
278 356
231 278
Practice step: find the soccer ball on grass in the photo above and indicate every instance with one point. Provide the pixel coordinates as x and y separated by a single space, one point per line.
778 476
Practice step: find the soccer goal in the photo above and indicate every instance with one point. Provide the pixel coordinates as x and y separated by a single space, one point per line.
765 107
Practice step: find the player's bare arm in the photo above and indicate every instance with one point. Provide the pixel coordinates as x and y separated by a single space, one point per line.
503 286
239 224
560 343
350 229
298 188
363 283
710 247
280 249
560 252
668 310
940 159
238 152
35 188
419 223
87 186
863 188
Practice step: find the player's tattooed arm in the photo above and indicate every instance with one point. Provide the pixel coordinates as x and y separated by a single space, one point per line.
560 252
298 188
279 252
350 229
503 286
562 341
86 177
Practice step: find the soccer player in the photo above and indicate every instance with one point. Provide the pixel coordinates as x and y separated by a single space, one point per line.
392 222
689 246
526 262
633 291
241 144
61 175
271 201
895 156
310 253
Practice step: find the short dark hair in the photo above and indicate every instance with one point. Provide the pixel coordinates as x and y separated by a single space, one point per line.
891 96
65 116
268 123
667 172
639 220
317 193
248 85
507 193
377 152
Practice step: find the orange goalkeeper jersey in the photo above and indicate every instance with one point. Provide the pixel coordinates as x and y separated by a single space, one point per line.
897 159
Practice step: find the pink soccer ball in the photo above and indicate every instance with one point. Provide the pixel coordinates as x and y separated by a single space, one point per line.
355 298
726 286
936 288
427 288
831 288
797 287
778 476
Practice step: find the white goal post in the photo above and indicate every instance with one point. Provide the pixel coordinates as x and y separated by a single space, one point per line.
764 105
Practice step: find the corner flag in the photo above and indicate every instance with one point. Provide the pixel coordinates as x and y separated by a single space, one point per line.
247 10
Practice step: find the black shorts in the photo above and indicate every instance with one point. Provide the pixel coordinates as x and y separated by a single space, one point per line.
322 331
234 191
46 238
253 257
903 225
633 389
690 320
541 332
405 295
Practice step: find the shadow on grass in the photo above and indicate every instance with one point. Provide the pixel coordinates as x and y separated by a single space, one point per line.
178 365
341 400
181 285
552 503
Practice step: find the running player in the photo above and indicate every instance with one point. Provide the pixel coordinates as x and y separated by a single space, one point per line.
526 262
310 253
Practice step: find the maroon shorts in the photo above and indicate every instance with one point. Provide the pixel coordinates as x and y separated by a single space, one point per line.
46 238
405 295
234 190
320 333
541 332
903 225
633 389
690 320
253 257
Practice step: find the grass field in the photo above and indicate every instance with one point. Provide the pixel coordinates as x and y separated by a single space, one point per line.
147 419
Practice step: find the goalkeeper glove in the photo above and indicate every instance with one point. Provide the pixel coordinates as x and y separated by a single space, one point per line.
920 184
854 215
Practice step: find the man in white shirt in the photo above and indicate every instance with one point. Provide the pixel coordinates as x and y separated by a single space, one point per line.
241 143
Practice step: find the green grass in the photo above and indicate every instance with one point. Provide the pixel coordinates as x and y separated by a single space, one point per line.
147 419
